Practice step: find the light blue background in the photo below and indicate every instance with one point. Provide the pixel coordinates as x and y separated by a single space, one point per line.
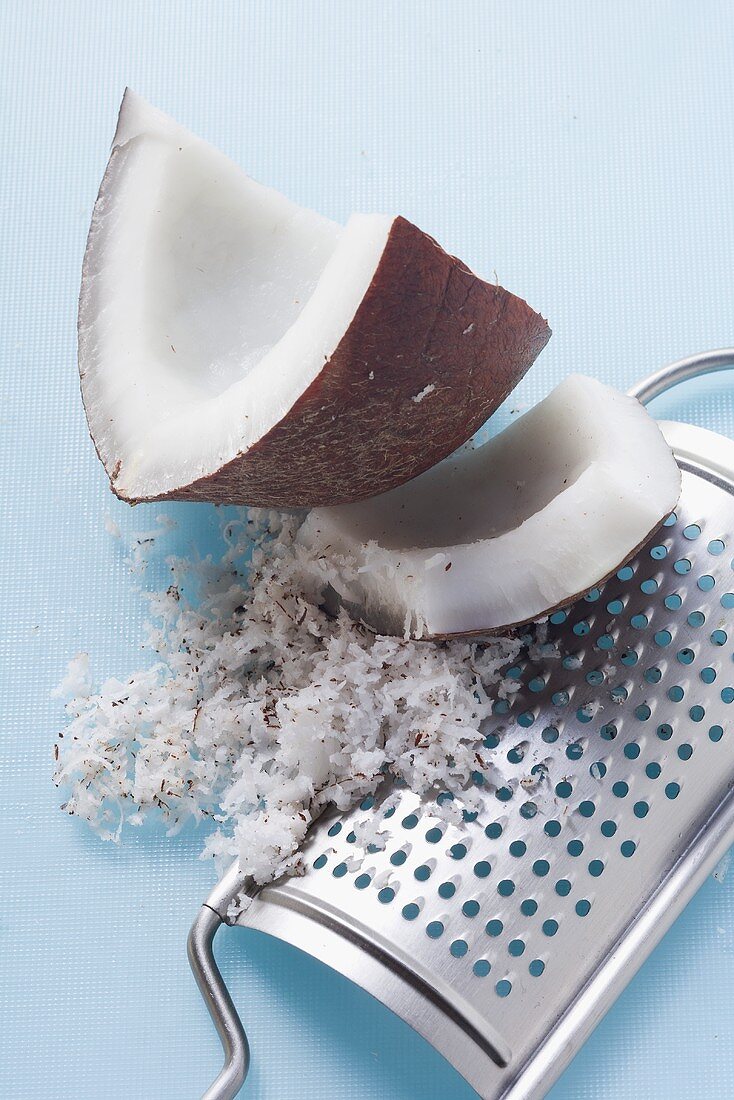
583 151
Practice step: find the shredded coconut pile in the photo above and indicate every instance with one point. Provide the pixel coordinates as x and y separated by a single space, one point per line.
259 709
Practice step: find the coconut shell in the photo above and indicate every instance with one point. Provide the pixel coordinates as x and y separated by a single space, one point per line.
430 353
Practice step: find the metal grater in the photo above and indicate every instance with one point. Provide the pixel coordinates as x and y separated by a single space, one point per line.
504 940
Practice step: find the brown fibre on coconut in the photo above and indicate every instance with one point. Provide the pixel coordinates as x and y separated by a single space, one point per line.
257 709
236 348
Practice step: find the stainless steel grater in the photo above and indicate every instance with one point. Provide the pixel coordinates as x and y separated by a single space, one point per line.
503 941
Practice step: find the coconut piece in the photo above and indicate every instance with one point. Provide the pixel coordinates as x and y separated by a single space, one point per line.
236 348
498 536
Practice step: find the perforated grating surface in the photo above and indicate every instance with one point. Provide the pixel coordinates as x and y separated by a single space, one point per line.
595 775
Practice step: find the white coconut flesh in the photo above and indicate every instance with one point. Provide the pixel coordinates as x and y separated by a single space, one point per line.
209 303
500 535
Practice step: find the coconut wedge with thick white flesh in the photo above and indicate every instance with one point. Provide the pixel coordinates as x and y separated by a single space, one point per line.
236 348
501 535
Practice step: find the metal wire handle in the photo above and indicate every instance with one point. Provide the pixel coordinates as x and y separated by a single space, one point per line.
214 911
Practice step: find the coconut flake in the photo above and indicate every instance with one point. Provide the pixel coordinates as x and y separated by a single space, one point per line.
258 710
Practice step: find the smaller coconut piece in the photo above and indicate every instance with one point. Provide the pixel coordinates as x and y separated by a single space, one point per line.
501 535
237 348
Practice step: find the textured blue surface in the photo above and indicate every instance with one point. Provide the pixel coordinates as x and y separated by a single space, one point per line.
583 151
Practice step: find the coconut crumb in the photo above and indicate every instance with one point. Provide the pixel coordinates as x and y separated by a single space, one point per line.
423 394
257 710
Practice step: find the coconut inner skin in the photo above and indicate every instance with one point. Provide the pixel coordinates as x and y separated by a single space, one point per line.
498 536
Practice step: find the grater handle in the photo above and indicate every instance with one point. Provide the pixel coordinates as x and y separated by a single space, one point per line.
213 989
707 362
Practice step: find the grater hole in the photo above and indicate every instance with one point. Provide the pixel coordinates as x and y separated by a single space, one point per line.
727 695
608 731
583 907
504 794
558 617
620 789
447 890
362 882
706 582
481 968
727 600
653 770
423 872
552 828
587 808
434 929
482 868
672 790
665 731
716 733
639 621
630 657
595 677
503 987
626 573
649 587
592 595
608 828
550 735
697 713
518 848
458 851
671 520
718 637
653 675
605 641
575 750
529 907
597 771
459 948
550 927
563 887
411 911
716 547
340 870
541 867
409 822
564 789
596 868
685 751
632 750
673 602
657 553
506 888
676 693
470 908
691 532
575 847
516 948
663 638
494 927
642 712
536 968
319 862
696 618
493 830
641 809
683 566
386 895
686 656
528 810
628 848
434 835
